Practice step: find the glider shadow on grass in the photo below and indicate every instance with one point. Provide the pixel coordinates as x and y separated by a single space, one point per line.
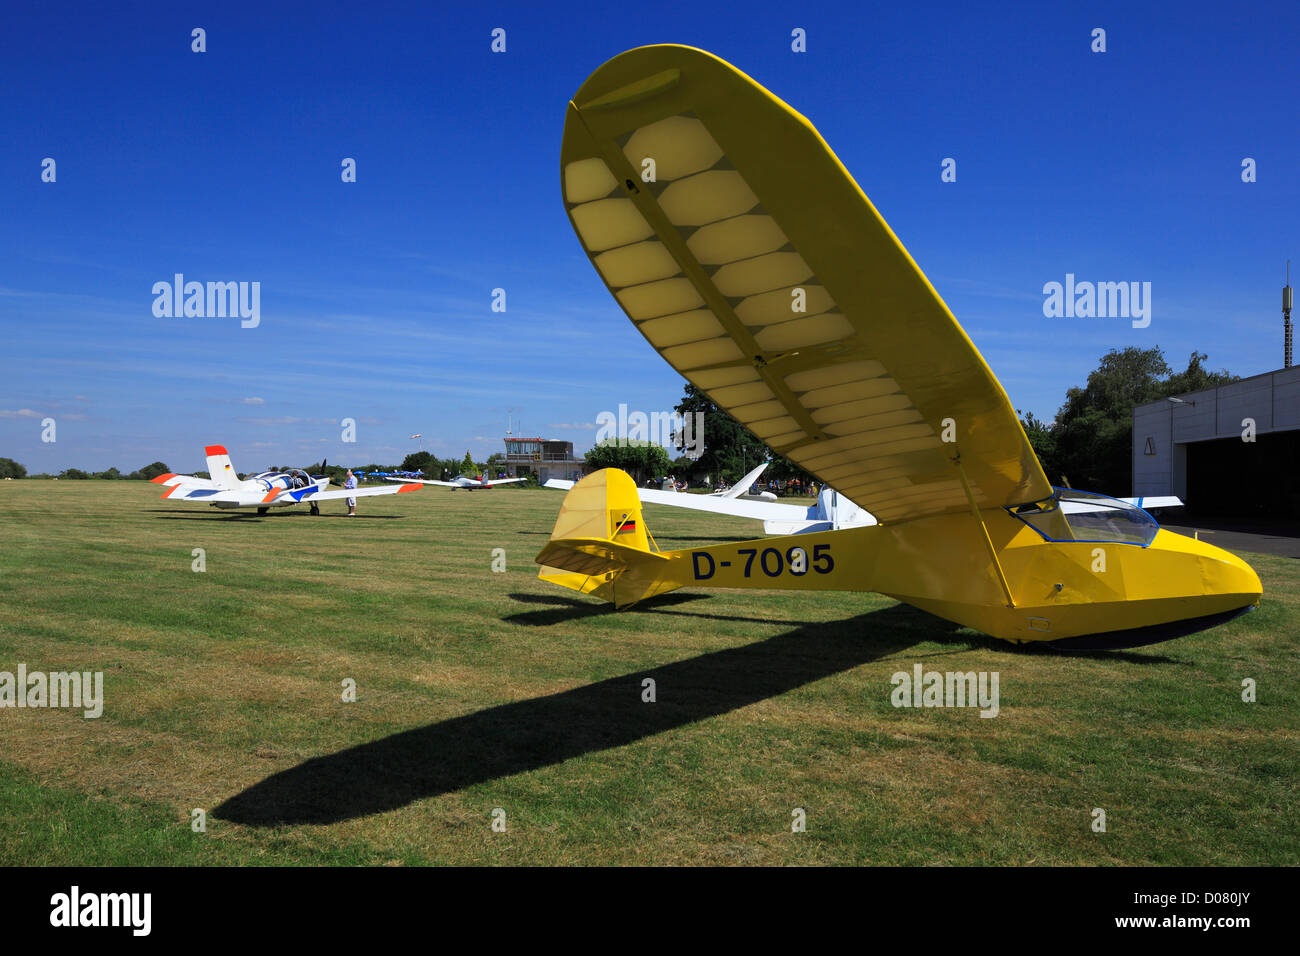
543 731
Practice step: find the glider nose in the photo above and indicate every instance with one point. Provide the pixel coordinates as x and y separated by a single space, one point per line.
1225 574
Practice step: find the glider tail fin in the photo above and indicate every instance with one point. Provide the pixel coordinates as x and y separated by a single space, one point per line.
601 545
220 469
742 487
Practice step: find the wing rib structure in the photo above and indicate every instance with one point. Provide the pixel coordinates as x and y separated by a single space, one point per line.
744 252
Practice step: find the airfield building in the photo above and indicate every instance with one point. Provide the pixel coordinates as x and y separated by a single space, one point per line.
545 458
1233 450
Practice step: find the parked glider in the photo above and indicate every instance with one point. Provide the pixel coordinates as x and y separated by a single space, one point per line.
271 489
469 484
759 270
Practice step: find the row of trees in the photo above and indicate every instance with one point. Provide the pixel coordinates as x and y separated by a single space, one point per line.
12 469
440 469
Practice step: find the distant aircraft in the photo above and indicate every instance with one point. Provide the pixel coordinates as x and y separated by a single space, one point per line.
469 484
270 489
759 270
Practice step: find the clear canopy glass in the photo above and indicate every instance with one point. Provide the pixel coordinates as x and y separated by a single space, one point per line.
1071 515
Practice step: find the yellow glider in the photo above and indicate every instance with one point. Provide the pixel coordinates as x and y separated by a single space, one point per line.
749 258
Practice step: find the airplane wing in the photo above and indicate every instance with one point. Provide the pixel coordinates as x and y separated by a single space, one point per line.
759 270
502 481
240 498
759 510
307 494
762 510
210 494
1162 501
1146 504
424 481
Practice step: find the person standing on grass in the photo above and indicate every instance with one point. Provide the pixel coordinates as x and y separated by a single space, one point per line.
352 502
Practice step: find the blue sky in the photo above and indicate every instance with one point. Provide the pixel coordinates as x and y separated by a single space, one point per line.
376 295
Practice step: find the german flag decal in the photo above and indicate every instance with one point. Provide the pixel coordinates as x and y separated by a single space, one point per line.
620 522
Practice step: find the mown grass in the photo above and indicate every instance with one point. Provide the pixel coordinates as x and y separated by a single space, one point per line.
481 690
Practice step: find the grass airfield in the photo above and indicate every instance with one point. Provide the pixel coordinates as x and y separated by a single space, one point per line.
479 690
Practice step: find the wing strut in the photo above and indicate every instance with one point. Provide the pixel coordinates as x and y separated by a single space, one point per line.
984 531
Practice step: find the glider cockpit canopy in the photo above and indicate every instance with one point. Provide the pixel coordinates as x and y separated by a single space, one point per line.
1071 515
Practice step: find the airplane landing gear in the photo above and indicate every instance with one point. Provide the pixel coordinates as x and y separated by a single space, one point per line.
262 511
315 508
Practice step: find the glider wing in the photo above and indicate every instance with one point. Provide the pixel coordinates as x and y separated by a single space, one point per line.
745 253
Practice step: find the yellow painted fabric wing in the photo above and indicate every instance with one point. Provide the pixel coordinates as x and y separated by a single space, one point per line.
745 253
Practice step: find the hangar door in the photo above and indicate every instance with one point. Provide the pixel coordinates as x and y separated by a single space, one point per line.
1231 477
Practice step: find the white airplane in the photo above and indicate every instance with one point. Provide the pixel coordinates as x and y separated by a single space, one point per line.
469 484
270 489
831 512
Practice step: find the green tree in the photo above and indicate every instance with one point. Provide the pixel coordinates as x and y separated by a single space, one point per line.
417 461
1195 378
150 472
1093 432
640 459
467 466
335 473
1094 427
75 474
112 474
729 449
1042 439
11 469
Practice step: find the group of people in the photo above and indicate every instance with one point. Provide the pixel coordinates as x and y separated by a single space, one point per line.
793 487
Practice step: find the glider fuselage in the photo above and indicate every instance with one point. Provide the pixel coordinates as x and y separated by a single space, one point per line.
1054 590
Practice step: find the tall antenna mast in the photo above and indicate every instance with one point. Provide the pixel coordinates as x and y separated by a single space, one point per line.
1286 318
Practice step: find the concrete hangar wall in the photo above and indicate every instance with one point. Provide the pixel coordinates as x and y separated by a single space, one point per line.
1194 449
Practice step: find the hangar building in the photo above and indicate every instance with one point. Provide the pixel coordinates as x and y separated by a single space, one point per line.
1193 447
